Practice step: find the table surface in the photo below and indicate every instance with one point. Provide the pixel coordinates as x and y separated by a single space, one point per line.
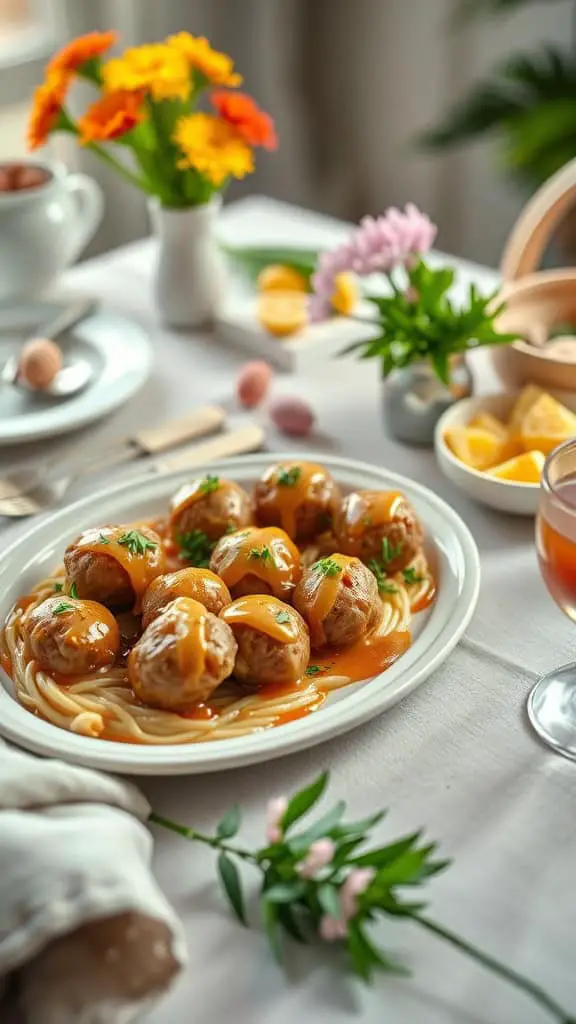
457 757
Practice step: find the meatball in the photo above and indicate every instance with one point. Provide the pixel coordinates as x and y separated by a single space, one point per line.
339 600
273 641
209 506
182 656
200 584
71 637
255 561
301 497
379 525
114 565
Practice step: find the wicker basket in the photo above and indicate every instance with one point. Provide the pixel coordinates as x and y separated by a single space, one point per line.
537 297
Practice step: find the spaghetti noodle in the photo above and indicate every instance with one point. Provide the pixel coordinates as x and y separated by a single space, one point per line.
103 704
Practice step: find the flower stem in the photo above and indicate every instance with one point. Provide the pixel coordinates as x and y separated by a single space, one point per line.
120 169
193 836
531 989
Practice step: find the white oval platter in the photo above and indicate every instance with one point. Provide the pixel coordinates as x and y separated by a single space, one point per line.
435 635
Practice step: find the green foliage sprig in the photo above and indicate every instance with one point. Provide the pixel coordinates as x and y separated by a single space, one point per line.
325 880
422 323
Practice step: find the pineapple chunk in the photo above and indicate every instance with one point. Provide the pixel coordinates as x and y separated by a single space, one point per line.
523 469
477 448
546 424
526 399
486 421
282 312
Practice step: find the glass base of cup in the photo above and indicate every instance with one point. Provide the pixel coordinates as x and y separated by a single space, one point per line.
552 710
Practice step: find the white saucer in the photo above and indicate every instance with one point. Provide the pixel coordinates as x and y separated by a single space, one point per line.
118 350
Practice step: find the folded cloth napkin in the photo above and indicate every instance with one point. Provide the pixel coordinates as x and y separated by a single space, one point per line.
86 936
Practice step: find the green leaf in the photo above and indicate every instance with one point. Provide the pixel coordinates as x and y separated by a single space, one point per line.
230 879
270 918
289 921
362 825
328 900
371 956
230 823
285 892
301 802
386 854
360 958
73 590
252 259
322 827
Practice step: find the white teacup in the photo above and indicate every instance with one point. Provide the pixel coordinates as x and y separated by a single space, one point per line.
43 229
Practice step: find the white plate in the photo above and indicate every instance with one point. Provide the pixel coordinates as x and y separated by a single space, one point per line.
41 548
117 349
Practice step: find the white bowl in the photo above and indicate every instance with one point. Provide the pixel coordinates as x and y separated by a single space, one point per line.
503 495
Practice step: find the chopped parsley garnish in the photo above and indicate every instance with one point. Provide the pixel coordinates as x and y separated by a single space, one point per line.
260 554
282 617
209 484
231 527
73 590
63 606
136 542
385 586
389 553
327 566
196 547
411 576
315 670
289 477
102 539
58 588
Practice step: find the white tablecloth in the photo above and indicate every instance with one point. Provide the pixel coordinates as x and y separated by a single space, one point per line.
456 757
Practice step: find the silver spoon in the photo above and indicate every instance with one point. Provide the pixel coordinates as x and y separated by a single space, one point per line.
70 379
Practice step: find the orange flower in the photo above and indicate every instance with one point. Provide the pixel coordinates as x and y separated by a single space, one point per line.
112 115
72 56
240 110
46 107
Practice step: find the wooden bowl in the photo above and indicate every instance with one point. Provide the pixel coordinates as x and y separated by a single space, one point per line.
547 297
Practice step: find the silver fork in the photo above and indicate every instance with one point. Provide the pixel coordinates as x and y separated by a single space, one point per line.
29 491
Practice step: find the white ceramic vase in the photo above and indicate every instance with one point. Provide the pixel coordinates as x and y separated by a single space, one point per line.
190 273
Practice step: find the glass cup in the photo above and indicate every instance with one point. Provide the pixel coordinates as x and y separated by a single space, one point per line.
552 702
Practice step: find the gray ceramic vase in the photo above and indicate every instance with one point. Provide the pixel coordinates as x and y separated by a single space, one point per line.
414 399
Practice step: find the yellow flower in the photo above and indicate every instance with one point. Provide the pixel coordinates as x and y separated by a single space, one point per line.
159 69
213 148
217 67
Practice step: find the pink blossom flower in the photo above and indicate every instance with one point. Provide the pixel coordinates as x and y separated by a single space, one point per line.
378 245
320 853
357 882
331 929
275 812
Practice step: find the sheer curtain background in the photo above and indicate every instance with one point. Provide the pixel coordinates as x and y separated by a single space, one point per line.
350 83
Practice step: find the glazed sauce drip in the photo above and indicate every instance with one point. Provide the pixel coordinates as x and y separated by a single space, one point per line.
268 554
190 631
141 568
288 491
365 509
366 658
321 589
265 614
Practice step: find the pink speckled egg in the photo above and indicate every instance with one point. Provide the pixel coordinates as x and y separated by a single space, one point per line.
292 416
40 361
253 383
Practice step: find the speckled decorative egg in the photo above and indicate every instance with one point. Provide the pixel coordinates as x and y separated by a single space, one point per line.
293 416
40 361
253 383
